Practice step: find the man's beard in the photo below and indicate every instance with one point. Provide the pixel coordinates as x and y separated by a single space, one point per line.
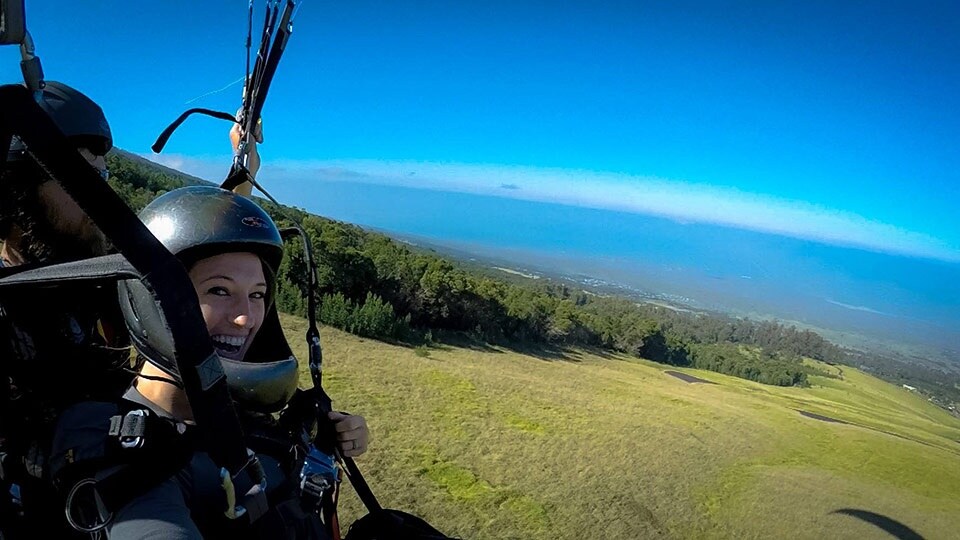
41 241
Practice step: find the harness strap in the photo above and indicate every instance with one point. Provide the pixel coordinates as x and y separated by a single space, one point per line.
106 268
143 450
110 461
92 501
246 491
121 484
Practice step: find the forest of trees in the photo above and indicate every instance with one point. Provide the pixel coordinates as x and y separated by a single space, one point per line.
374 286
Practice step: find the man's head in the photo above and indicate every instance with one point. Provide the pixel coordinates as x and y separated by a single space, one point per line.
78 117
37 217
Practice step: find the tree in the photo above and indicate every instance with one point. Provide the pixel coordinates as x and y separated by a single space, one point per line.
375 318
336 310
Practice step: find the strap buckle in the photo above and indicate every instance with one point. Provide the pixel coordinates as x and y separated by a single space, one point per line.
130 428
318 475
246 491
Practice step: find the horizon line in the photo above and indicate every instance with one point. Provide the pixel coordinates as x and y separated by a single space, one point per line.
684 202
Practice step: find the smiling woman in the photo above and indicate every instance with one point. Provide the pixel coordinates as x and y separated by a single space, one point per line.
231 250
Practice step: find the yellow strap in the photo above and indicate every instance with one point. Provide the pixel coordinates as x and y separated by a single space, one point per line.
227 483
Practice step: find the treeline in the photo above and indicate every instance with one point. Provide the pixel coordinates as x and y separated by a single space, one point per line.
939 383
139 181
374 286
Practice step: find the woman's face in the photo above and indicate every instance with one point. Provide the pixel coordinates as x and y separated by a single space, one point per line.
232 290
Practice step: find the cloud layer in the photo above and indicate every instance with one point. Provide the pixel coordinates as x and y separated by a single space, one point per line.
681 201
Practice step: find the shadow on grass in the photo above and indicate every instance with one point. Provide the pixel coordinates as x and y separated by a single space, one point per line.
542 351
442 340
448 340
823 418
887 524
687 378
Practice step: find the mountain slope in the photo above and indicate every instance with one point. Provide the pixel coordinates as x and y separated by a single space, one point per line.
499 444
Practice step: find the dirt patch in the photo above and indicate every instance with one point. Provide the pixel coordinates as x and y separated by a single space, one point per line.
688 378
821 417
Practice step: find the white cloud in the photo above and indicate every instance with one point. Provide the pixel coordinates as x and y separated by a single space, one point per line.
681 201
859 308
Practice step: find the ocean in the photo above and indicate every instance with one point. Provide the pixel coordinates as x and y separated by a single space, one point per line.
844 290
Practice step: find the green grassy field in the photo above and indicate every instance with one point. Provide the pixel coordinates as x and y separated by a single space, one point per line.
495 444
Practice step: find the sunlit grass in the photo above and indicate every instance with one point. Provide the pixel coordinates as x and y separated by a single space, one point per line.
505 445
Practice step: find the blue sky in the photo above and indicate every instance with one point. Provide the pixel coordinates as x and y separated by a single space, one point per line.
832 121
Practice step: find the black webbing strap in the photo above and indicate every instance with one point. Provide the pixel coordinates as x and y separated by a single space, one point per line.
107 268
160 452
197 363
326 441
360 485
141 450
238 175
326 438
106 464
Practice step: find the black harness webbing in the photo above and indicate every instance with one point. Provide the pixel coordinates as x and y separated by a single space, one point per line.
141 474
106 454
106 268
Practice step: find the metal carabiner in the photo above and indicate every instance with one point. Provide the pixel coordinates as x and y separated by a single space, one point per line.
103 516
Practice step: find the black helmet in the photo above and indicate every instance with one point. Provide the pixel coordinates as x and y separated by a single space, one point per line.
198 222
77 116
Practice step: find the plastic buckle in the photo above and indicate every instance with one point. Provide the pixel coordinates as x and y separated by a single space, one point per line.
318 475
138 418
314 485
130 428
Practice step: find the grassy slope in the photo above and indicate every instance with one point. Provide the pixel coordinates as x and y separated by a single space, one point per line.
493 444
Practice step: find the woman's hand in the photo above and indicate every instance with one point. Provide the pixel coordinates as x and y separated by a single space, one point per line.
253 155
352 433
